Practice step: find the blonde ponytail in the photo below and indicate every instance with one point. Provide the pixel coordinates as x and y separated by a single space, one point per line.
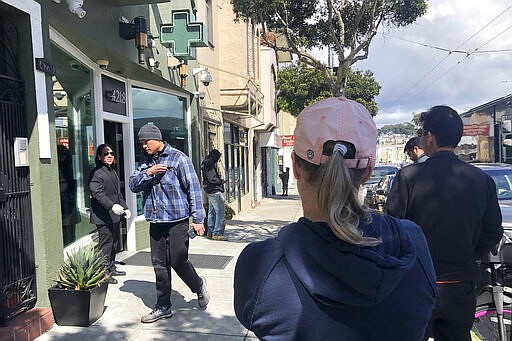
338 197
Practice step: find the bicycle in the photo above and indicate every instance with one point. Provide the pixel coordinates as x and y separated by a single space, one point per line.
493 314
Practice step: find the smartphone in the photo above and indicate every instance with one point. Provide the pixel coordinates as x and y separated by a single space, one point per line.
192 233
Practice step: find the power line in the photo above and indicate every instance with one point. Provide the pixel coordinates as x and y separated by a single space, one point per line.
460 61
447 55
444 49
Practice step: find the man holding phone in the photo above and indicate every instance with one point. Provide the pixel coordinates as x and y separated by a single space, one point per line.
171 195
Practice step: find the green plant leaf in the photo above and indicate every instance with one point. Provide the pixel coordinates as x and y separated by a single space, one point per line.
85 268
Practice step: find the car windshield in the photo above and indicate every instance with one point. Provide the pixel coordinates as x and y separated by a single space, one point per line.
503 180
379 172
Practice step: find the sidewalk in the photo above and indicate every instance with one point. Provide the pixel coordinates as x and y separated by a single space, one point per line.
134 295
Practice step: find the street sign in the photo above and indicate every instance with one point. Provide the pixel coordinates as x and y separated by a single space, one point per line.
182 34
288 140
476 129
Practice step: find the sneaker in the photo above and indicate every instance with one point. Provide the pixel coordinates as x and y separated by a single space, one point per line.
156 314
219 237
202 296
112 280
209 235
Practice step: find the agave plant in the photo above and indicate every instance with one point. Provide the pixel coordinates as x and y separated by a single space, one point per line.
84 269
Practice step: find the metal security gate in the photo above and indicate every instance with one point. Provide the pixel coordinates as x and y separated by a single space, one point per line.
17 267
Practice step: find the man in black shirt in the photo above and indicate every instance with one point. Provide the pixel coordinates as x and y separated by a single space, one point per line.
213 185
285 177
455 204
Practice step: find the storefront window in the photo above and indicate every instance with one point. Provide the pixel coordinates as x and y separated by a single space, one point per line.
73 107
167 112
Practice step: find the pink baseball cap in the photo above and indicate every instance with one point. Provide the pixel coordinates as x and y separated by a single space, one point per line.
336 119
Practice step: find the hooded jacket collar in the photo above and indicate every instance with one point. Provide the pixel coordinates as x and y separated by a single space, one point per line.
337 273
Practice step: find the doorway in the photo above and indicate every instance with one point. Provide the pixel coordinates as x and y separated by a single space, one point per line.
113 134
17 266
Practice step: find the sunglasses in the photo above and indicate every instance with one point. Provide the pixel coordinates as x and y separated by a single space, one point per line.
421 132
108 153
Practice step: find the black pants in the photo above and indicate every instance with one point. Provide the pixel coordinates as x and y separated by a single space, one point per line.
454 312
107 245
169 249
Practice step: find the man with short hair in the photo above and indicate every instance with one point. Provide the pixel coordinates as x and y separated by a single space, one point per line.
414 151
171 194
456 205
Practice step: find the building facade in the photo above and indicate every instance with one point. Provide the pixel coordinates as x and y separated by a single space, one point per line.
78 74
390 149
487 135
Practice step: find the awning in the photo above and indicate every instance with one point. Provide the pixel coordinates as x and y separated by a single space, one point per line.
270 140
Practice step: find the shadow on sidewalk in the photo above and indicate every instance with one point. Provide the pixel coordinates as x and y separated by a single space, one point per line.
284 197
147 293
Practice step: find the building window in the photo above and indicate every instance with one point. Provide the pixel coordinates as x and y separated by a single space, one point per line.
73 107
167 112
236 159
209 21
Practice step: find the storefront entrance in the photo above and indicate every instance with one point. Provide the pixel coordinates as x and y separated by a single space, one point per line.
113 132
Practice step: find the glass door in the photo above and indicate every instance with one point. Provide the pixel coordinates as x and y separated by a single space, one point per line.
113 132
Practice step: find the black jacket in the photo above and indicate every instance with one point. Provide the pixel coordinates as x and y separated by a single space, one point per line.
105 192
455 203
212 182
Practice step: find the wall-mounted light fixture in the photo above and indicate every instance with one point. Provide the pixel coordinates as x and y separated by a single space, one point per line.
183 71
200 94
103 63
153 63
75 7
137 30
172 61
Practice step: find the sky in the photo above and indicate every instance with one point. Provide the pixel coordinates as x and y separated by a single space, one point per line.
414 77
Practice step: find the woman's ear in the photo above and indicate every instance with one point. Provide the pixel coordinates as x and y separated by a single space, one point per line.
296 172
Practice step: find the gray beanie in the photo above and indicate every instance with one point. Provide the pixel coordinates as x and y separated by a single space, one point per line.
149 131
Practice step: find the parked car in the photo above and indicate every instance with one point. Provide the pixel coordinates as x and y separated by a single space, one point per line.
501 173
379 172
380 192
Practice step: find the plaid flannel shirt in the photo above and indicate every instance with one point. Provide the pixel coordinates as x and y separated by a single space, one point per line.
172 196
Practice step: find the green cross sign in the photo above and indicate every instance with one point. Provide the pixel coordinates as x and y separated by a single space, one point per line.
181 34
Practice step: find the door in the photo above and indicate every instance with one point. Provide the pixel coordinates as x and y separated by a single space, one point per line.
113 132
17 266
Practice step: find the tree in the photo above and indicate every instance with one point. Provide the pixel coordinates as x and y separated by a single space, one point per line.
416 120
345 26
362 87
405 128
301 85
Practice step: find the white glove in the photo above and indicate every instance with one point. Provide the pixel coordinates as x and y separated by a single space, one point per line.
127 214
117 209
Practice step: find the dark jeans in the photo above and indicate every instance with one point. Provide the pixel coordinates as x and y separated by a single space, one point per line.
107 245
454 312
169 249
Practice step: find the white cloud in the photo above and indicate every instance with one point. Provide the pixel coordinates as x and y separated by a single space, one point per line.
411 81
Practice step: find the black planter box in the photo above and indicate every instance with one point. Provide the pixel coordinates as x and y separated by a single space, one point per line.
77 307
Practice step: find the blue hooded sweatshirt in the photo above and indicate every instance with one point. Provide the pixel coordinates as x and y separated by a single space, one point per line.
306 284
